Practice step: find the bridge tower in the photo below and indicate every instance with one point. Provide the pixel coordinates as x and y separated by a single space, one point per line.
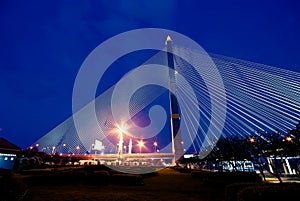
177 148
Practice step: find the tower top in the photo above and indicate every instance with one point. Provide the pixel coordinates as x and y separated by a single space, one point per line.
169 39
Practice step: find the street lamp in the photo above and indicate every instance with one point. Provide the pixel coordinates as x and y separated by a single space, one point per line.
53 149
77 148
64 148
121 130
141 144
288 138
155 146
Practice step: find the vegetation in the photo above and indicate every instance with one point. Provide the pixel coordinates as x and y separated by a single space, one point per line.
266 150
262 191
276 146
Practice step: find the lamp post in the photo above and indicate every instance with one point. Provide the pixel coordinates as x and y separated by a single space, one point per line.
37 146
120 148
141 144
53 149
121 130
155 146
125 147
130 146
77 148
64 148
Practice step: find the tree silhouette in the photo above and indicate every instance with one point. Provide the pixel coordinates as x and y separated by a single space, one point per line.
231 150
269 149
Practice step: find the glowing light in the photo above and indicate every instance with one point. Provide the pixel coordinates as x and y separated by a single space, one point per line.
122 128
252 139
141 143
169 38
288 138
130 146
53 149
155 146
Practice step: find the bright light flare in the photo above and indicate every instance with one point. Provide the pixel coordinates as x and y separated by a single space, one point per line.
289 138
122 128
141 144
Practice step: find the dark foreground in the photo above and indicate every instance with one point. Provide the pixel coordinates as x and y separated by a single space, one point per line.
165 184
168 185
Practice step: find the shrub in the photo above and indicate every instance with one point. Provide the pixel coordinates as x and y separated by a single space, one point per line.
288 191
63 178
225 178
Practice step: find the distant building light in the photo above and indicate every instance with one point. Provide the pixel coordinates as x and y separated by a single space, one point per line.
3 154
188 155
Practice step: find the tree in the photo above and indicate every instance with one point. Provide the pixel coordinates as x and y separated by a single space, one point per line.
232 150
292 145
276 146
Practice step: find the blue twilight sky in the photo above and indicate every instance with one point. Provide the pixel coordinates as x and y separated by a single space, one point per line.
43 44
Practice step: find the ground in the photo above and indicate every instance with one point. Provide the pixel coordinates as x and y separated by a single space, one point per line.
168 185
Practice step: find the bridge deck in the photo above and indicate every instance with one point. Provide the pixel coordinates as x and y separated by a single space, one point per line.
126 156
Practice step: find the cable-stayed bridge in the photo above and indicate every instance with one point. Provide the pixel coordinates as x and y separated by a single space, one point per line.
217 96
